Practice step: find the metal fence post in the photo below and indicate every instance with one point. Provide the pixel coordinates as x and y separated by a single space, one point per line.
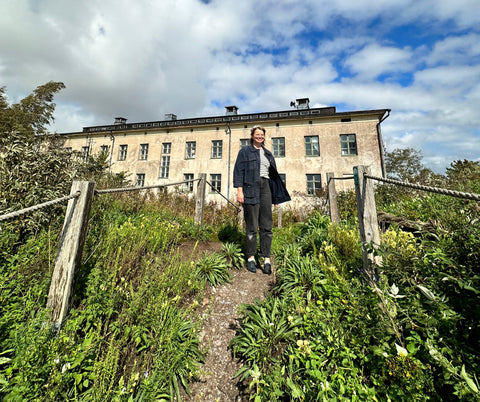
367 219
70 251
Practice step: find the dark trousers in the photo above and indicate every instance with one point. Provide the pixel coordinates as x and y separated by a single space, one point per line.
259 216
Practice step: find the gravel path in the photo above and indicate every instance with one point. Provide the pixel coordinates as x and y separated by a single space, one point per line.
217 382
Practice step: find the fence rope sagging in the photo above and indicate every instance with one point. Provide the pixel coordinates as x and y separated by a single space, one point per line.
453 193
33 208
125 189
214 189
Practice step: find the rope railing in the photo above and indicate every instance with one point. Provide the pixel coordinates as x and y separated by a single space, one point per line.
33 208
125 189
453 193
214 189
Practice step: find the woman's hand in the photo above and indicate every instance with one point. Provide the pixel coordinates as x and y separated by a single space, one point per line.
240 198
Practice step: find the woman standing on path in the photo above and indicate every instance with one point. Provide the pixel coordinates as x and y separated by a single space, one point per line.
258 187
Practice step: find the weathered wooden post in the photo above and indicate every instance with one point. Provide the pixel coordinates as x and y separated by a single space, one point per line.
70 251
332 198
200 198
367 219
279 213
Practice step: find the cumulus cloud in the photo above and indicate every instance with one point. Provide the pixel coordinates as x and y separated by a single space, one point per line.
146 58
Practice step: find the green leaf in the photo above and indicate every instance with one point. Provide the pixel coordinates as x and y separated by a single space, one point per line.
468 380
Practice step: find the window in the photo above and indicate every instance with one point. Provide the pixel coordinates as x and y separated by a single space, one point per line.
348 144
244 142
85 152
278 146
166 147
216 182
104 149
122 155
188 186
217 149
140 179
311 146
314 183
143 152
283 176
165 167
191 146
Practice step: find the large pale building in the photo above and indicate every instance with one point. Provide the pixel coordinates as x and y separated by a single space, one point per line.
307 144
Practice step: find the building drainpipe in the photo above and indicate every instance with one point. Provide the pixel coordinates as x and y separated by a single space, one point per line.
380 143
228 131
112 138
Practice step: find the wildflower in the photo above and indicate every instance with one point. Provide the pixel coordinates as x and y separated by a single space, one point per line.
401 351
290 318
57 360
65 367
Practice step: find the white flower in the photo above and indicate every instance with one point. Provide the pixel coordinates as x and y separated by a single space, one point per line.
401 351
65 367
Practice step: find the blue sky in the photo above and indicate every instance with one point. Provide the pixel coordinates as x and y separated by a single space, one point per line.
146 58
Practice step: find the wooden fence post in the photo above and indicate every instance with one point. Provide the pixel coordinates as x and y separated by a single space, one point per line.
70 251
332 199
367 219
200 198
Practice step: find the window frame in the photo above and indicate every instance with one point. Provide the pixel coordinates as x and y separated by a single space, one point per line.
217 149
189 147
85 153
166 148
143 156
244 142
216 182
310 146
140 182
277 150
188 187
345 139
122 152
165 167
310 178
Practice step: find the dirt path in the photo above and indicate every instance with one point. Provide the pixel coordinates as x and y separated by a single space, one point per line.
217 382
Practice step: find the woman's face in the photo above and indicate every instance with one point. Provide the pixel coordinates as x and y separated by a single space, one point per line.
258 137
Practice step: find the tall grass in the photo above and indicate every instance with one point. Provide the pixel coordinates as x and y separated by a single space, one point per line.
132 333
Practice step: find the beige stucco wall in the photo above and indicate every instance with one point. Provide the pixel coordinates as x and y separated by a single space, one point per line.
295 165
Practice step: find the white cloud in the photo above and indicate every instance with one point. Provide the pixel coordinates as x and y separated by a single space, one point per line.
375 60
146 58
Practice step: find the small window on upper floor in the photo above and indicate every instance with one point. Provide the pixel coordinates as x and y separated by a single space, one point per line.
348 144
166 148
312 147
217 149
85 153
143 152
190 150
122 153
278 147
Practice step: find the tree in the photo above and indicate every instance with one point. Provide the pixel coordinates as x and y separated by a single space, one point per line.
403 164
34 167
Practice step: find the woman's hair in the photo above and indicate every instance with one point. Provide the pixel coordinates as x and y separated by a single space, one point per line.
254 128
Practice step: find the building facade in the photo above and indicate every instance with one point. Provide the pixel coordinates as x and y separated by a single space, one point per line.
307 144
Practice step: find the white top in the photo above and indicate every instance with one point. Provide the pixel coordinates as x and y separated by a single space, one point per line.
264 164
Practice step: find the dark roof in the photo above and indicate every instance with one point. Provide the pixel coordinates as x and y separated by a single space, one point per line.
239 118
